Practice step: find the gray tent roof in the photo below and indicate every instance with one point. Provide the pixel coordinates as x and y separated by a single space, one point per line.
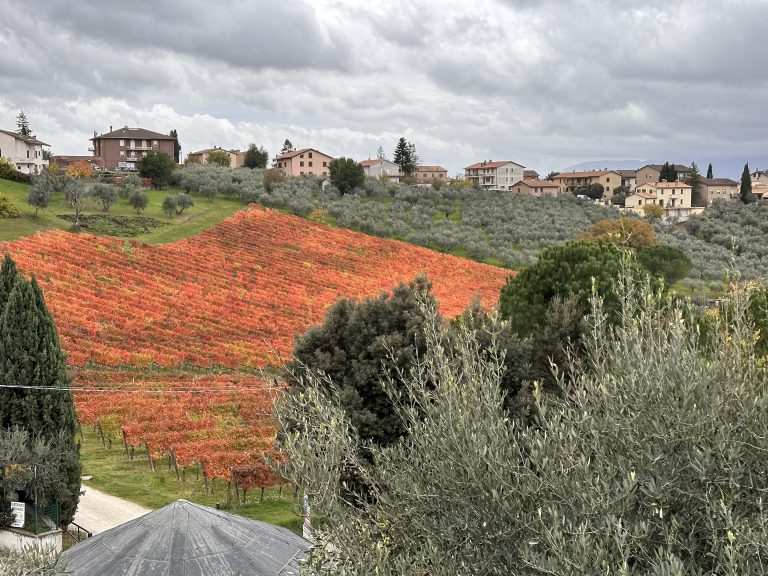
186 539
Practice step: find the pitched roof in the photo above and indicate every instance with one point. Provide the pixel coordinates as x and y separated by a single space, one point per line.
719 182
300 151
27 139
528 174
587 174
645 195
490 164
186 538
536 183
658 167
134 133
366 163
627 173
214 149
677 184
430 169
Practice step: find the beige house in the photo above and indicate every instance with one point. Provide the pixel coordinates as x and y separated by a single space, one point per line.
652 173
378 168
425 174
24 152
759 177
718 189
760 190
492 175
569 182
674 197
536 187
303 162
628 178
236 158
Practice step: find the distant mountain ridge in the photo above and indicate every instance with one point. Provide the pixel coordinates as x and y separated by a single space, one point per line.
721 167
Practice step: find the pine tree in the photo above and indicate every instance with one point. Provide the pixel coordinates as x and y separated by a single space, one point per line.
380 153
31 355
405 156
22 124
287 147
694 181
746 186
709 171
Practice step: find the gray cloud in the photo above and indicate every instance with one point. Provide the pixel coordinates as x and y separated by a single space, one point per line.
547 83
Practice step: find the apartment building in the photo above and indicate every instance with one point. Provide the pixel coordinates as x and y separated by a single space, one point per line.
570 182
24 152
674 197
718 189
121 149
303 161
378 168
490 175
536 187
652 173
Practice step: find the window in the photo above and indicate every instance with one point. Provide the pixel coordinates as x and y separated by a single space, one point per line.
27 153
302 163
133 144
325 165
302 173
122 142
154 142
310 155
144 144
122 153
301 155
310 164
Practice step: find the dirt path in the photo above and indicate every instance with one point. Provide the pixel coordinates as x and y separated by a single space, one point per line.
98 511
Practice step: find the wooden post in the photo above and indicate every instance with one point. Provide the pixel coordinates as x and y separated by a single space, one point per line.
172 454
205 476
101 433
125 444
149 456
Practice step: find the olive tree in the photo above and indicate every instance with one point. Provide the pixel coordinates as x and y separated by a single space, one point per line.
650 460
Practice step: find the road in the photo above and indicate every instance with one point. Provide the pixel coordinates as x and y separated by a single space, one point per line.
98 511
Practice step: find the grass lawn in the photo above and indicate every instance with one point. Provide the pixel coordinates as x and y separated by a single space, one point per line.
194 220
134 481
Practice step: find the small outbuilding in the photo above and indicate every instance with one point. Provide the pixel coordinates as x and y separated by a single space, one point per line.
187 539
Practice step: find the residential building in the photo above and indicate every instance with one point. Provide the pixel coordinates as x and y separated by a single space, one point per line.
123 148
490 175
536 187
717 189
378 168
24 152
628 178
674 197
425 174
303 161
530 175
759 177
236 158
652 173
760 190
569 182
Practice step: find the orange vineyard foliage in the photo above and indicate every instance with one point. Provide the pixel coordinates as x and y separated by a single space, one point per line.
234 297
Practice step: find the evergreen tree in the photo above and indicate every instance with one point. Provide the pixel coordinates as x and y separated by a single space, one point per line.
746 187
31 356
8 276
22 124
255 157
709 171
694 181
672 173
405 156
287 147
380 153
176 145
664 175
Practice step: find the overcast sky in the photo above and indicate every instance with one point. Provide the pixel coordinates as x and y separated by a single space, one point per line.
545 83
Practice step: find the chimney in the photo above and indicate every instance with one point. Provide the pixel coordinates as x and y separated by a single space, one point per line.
110 127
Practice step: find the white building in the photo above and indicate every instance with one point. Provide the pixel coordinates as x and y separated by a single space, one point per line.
25 152
377 168
490 175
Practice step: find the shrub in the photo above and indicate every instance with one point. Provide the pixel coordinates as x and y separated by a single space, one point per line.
668 262
80 169
625 232
7 208
9 172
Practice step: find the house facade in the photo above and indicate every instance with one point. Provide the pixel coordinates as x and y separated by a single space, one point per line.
759 177
652 173
24 152
628 178
674 197
491 175
425 174
303 162
378 168
121 149
236 158
718 189
536 187
570 182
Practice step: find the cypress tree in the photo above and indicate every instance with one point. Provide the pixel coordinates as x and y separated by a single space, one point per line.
709 171
8 275
695 183
746 186
31 355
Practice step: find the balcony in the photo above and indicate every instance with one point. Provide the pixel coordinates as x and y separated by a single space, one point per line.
139 147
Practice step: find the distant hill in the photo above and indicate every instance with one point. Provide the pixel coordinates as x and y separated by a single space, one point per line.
606 164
